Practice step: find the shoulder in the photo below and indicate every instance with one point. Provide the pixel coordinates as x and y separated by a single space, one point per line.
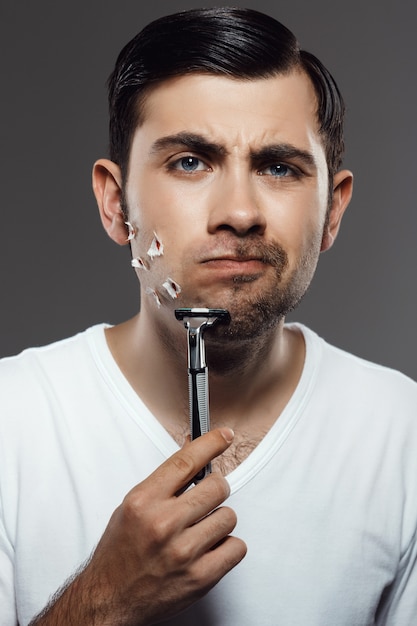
349 371
37 372
365 413
48 354
359 391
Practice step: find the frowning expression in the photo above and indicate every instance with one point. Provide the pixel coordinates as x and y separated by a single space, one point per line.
231 178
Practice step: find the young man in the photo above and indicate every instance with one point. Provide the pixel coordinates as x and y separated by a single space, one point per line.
225 180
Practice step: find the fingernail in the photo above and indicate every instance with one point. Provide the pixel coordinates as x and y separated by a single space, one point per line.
227 434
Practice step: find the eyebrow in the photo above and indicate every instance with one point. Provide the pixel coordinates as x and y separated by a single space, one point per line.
190 141
198 143
284 152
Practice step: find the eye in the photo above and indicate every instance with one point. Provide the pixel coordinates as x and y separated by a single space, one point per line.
189 164
278 170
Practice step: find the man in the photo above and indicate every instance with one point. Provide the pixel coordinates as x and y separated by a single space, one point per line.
225 179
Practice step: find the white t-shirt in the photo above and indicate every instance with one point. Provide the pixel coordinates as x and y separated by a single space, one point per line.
327 502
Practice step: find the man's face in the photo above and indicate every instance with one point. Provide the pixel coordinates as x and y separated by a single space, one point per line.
227 192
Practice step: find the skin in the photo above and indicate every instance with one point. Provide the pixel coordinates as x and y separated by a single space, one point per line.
231 199
222 206
162 549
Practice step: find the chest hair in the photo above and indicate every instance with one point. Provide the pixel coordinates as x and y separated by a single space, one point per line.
243 444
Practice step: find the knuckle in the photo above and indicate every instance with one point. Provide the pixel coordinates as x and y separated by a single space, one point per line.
229 517
160 530
200 580
133 505
146 518
220 486
224 520
208 494
181 554
184 463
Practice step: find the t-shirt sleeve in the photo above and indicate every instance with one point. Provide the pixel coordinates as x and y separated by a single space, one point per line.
399 603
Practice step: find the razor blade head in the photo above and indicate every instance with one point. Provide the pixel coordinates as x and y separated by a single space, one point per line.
219 314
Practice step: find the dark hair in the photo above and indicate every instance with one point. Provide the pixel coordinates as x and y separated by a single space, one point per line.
235 42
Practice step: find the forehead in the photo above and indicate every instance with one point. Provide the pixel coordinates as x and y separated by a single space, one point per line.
236 113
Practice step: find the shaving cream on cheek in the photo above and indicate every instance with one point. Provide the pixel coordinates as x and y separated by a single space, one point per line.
136 262
131 231
155 295
156 248
139 263
159 290
172 288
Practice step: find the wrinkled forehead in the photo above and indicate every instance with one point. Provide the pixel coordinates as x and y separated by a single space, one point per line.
232 112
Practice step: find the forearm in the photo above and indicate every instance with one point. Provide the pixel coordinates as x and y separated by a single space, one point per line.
69 606
83 601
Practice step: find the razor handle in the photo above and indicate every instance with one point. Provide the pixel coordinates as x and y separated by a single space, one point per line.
199 410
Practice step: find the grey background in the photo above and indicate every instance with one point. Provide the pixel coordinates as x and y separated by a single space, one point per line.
58 270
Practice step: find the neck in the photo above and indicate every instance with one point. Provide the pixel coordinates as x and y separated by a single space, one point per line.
247 378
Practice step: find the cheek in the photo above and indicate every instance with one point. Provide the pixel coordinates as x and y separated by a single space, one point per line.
298 226
155 259
175 216
159 209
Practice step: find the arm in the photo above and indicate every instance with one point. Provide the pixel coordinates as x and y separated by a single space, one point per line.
399 602
163 549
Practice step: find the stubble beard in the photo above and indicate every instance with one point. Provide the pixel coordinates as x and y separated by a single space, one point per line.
256 313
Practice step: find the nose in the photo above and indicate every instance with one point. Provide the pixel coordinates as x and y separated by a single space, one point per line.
235 206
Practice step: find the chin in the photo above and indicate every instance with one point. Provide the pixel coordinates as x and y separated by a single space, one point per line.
251 320
254 308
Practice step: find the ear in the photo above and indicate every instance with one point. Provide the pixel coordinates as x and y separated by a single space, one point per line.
342 193
107 187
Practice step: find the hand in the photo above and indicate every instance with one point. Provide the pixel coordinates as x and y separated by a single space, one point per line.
163 549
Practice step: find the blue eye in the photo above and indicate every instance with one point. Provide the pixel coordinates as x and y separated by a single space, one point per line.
190 164
278 169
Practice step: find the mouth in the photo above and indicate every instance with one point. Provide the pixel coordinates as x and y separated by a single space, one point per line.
230 267
234 262
245 262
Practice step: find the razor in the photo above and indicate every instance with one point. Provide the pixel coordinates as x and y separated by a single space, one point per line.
196 321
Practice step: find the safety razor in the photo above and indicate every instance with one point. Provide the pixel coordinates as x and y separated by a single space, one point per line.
197 321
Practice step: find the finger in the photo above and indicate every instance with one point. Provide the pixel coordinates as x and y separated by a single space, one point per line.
208 533
179 470
198 502
215 563
191 544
